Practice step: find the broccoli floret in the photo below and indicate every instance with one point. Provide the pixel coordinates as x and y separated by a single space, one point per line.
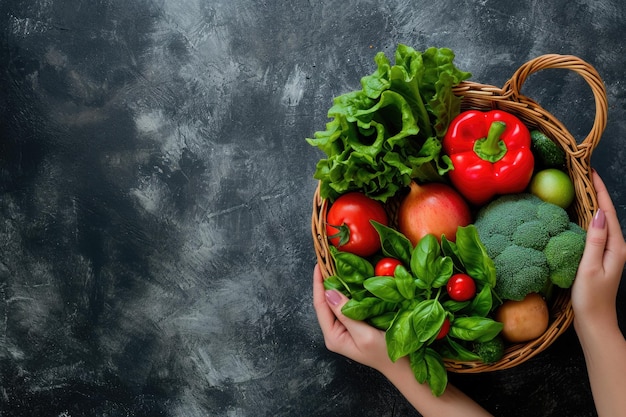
554 218
500 208
496 243
563 253
573 227
532 234
520 271
532 243
490 351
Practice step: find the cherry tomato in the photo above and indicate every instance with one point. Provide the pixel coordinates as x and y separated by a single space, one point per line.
445 328
348 223
461 287
386 267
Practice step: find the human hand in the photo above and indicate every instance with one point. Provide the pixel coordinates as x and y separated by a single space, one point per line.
365 344
353 339
595 288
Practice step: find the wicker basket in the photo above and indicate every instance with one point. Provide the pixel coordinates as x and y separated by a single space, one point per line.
509 98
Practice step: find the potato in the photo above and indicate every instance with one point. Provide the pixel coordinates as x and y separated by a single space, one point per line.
523 320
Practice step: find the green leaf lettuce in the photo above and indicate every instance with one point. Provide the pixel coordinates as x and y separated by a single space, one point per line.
388 133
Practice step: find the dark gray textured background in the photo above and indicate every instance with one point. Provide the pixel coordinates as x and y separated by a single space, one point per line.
155 195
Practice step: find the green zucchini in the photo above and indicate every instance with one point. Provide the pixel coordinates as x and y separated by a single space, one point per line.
547 153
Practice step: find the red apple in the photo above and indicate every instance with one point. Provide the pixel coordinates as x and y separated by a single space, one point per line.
432 208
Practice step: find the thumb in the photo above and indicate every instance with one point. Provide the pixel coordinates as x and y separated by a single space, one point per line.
596 242
336 301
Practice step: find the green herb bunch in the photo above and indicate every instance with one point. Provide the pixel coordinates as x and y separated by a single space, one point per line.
413 305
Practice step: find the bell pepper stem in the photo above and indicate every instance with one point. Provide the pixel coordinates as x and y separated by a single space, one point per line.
492 148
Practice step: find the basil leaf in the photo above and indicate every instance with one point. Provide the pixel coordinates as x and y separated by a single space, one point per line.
393 243
450 250
400 337
357 292
454 350
482 303
405 282
423 257
474 256
427 366
432 269
351 268
335 283
418 365
363 309
454 306
350 290
384 288
437 374
422 285
442 270
383 321
479 329
428 316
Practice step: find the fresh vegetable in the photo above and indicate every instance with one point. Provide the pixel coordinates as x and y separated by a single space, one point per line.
554 186
413 306
547 153
348 223
432 208
520 270
461 287
386 267
562 255
533 244
523 320
491 154
490 351
389 132
445 329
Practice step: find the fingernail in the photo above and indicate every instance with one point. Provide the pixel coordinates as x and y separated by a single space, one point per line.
333 297
599 219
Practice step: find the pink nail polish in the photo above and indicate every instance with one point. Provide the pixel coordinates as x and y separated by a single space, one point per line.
598 219
333 297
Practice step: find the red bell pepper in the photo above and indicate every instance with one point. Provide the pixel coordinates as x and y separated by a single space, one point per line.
491 154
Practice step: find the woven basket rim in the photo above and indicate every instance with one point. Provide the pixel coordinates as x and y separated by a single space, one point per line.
480 96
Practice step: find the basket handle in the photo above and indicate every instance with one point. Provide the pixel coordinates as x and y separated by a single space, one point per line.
584 69
580 153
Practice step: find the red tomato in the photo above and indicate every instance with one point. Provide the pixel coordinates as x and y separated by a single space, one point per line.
386 267
461 287
348 223
445 328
